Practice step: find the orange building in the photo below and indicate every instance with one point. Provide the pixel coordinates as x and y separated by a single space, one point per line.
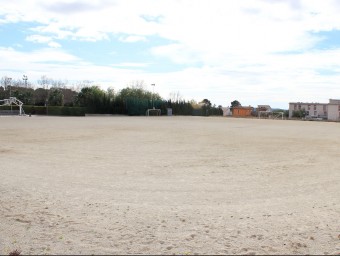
242 111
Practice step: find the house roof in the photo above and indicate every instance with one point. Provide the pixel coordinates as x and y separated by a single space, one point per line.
266 107
242 107
308 103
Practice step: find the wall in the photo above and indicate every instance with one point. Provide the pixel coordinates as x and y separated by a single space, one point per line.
314 109
241 112
334 112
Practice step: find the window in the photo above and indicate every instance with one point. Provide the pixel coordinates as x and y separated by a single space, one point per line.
308 107
339 107
315 113
314 107
299 107
324 107
295 107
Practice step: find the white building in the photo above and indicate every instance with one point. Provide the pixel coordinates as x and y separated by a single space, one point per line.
226 111
329 111
264 108
334 110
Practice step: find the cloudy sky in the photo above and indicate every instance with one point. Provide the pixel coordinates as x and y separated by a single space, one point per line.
256 51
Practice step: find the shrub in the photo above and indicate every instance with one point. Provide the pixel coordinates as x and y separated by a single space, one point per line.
54 110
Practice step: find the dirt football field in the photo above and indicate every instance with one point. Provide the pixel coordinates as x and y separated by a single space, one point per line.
168 185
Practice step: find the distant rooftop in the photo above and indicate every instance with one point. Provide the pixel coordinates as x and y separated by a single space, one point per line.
331 101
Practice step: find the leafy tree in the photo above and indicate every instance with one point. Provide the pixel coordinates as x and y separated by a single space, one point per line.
92 98
235 103
56 97
23 94
138 93
206 102
299 113
78 85
111 93
40 96
2 93
69 96
206 107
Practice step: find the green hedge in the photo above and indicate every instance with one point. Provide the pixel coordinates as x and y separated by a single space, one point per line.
138 107
6 107
54 110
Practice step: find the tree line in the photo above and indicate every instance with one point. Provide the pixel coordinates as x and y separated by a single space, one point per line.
132 100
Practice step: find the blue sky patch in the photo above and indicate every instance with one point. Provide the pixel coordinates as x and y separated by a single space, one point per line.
14 34
329 39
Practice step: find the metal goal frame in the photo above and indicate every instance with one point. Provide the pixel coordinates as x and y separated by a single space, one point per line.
157 110
271 115
13 101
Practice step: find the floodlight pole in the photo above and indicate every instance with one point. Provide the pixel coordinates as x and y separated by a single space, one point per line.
8 82
24 77
9 79
153 92
46 100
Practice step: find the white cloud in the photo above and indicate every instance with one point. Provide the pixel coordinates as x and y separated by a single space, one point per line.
132 39
43 40
276 82
39 39
177 53
237 48
130 64
54 45
15 60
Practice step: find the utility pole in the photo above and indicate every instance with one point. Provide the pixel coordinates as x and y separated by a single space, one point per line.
153 92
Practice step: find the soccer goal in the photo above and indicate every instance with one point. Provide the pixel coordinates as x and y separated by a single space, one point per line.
153 112
271 115
11 106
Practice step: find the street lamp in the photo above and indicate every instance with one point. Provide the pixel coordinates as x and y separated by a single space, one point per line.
153 92
24 77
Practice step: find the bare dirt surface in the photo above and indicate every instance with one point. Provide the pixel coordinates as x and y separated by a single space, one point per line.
168 185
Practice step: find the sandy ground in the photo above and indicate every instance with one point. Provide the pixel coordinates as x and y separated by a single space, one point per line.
169 185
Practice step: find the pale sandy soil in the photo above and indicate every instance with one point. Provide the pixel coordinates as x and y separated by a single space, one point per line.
169 185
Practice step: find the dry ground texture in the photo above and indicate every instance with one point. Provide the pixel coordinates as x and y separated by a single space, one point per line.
168 185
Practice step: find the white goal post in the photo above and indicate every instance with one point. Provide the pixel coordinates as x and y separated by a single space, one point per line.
12 101
272 115
153 111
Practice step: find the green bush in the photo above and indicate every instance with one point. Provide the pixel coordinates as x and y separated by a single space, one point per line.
54 110
299 113
34 110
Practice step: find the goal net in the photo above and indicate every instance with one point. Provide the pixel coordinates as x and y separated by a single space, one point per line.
153 112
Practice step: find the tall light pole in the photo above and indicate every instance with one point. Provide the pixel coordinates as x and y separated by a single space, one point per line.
8 83
46 100
153 92
24 77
